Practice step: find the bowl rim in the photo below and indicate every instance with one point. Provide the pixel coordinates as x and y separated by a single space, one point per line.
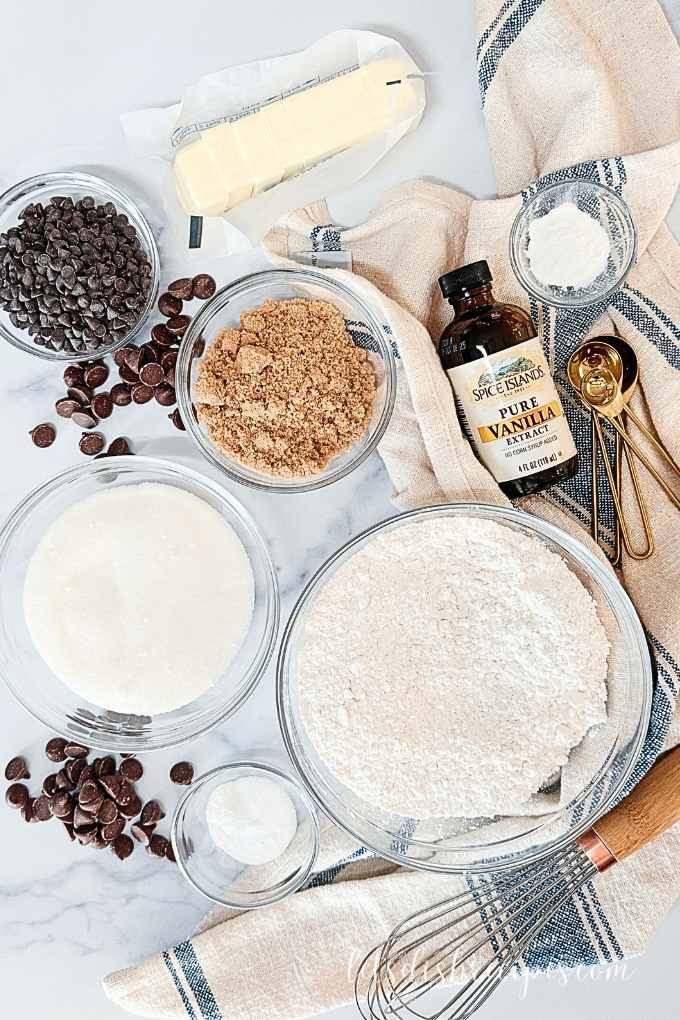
518 229
606 580
256 668
282 892
233 469
72 179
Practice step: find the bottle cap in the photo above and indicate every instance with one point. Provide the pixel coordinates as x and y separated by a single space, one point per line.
475 274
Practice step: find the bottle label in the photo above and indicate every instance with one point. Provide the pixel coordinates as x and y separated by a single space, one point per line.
511 412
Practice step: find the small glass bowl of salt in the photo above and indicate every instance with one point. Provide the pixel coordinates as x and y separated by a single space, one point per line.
573 244
245 835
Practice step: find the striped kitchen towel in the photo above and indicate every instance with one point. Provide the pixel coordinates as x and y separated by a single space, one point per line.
569 87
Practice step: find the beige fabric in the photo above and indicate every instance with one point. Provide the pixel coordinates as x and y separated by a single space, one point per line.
582 80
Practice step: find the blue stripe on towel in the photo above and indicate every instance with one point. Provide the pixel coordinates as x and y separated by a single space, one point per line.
197 981
167 960
508 5
488 65
663 338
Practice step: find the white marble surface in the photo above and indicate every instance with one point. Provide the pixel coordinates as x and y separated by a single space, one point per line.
68 915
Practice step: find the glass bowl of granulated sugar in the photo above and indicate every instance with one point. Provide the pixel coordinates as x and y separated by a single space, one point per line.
286 380
573 243
464 688
139 605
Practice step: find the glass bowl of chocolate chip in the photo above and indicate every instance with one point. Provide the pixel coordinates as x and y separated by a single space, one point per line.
286 380
79 266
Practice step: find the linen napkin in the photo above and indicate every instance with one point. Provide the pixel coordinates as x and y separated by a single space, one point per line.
569 88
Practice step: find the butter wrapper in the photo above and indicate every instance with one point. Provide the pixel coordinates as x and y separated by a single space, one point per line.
264 89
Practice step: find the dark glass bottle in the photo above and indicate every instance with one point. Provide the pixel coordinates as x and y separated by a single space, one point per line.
506 398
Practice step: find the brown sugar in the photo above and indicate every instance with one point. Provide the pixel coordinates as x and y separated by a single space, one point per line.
286 392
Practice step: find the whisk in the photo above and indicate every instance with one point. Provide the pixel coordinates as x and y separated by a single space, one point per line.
478 936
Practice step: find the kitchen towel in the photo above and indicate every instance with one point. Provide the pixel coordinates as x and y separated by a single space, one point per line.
569 87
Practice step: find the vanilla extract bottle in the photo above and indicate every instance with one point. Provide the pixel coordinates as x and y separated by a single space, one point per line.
505 395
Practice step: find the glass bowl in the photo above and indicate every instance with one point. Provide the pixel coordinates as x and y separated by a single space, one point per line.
44 695
76 185
224 311
613 215
213 872
456 845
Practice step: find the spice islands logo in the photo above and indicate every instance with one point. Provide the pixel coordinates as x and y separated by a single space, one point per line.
506 368
506 377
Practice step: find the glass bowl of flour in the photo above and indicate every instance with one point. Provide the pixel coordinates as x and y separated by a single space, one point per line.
138 604
573 244
464 688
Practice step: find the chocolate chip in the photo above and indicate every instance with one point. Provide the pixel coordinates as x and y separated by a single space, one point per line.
126 791
102 405
74 375
91 443
75 769
169 359
84 419
85 775
111 785
135 360
16 769
113 829
169 305
121 355
85 836
16 795
170 853
68 826
65 407
132 807
132 769
42 808
74 750
81 394
55 749
63 782
61 805
126 373
179 324
82 820
152 813
43 435
163 336
182 288
142 833
152 374
203 286
141 394
118 447
90 794
120 394
105 766
108 812
49 786
96 376
182 773
27 811
165 395
176 419
158 846
122 846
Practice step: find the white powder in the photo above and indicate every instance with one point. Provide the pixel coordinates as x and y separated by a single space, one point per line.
139 597
567 247
449 666
253 819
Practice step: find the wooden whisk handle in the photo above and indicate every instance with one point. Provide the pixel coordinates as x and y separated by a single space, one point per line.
651 808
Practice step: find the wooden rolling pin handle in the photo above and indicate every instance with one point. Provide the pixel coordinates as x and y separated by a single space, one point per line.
651 808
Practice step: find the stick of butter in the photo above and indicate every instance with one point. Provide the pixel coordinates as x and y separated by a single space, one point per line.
231 162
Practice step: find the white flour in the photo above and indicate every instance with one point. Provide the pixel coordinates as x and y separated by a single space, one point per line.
448 668
567 247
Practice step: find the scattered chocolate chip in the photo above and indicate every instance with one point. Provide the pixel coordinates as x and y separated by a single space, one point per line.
96 376
74 750
178 324
84 419
49 786
16 769
121 354
127 374
113 829
122 846
111 785
182 288
170 853
158 846
16 795
142 833
176 419
120 394
89 794
62 780
82 820
182 773
141 394
152 813
203 286
61 804
169 305
65 407
73 375
165 395
105 766
68 826
102 405
132 807
118 447
42 808
85 836
132 769
81 394
163 336
43 435
91 443
27 811
152 374
108 812
55 749
168 360
82 775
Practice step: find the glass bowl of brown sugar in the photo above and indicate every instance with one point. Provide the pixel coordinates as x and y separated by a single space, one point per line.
286 380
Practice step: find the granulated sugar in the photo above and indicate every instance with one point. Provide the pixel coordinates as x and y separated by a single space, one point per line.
449 666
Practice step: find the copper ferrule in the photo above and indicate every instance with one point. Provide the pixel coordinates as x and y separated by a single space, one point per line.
596 849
